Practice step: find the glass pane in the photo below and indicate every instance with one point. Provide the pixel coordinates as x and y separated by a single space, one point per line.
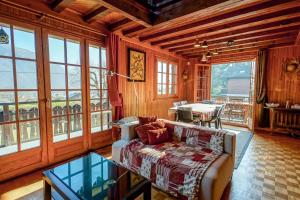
5 49
6 73
58 76
74 77
75 106
94 94
159 78
164 78
30 134
8 139
28 105
172 79
94 78
164 67
26 74
56 49
24 43
60 128
95 105
105 104
159 89
159 66
75 125
104 94
106 119
172 89
94 56
7 107
58 99
164 89
73 52
103 79
103 58
95 122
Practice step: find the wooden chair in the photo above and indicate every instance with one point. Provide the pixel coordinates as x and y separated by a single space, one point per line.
185 114
215 118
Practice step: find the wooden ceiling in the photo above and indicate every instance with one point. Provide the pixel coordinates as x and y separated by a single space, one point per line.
175 25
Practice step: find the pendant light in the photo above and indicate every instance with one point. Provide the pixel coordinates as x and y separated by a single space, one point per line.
204 44
209 55
197 44
204 59
4 39
215 52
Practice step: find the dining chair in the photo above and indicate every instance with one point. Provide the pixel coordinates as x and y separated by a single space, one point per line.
215 118
185 114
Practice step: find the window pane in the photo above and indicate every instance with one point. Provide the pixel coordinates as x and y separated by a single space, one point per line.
106 119
172 79
74 77
94 56
104 94
159 78
164 78
58 76
24 43
159 89
58 99
30 134
103 57
105 104
164 67
103 79
26 74
60 128
164 89
8 139
75 102
172 89
5 49
75 125
28 105
95 122
6 73
172 69
159 66
7 107
56 49
95 105
73 52
94 94
94 78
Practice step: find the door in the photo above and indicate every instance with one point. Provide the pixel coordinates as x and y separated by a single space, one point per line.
202 82
22 101
65 89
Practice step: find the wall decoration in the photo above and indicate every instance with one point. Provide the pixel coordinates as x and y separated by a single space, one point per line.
291 65
136 65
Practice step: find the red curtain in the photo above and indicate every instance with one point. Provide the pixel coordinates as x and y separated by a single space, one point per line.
112 81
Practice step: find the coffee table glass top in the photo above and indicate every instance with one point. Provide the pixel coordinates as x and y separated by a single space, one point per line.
95 177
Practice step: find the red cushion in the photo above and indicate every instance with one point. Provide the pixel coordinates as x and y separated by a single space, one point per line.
147 120
142 132
158 136
158 124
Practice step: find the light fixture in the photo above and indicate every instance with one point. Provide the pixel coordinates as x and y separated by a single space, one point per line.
230 43
4 39
197 44
204 44
204 59
215 52
209 55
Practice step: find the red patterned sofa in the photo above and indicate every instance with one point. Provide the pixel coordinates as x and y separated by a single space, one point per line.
196 164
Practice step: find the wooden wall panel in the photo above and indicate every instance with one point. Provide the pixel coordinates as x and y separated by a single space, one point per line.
282 86
146 103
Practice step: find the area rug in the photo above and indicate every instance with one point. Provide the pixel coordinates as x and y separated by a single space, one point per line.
243 139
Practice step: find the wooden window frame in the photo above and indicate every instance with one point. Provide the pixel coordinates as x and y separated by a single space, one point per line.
167 95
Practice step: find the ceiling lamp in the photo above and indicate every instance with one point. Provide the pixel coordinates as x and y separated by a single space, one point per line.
215 52
230 43
204 58
197 44
209 55
204 44
4 39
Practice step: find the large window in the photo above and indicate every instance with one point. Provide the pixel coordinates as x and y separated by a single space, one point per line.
166 78
99 104
66 87
19 108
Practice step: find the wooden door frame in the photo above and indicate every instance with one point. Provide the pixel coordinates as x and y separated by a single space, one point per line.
197 65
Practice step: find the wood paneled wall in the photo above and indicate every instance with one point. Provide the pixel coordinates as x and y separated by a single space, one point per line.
282 86
146 103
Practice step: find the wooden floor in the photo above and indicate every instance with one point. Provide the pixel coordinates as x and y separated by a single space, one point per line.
270 169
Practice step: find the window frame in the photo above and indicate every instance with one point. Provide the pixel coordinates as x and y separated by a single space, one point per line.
168 62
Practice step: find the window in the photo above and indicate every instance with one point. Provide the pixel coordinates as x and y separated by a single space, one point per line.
19 108
66 90
166 78
101 114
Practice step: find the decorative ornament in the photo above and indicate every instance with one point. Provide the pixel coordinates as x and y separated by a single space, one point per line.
292 65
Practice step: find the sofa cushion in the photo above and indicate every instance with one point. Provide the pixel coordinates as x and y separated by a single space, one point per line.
142 132
158 136
147 120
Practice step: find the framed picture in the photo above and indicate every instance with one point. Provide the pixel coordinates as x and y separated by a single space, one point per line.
136 65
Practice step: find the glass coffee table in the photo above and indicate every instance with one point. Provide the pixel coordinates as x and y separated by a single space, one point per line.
93 177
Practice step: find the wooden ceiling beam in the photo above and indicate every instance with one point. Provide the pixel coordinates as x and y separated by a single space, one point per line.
137 28
236 34
241 48
246 40
130 9
98 12
254 22
123 23
60 5
227 18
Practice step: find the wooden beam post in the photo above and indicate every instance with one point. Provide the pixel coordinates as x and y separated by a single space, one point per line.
101 11
60 5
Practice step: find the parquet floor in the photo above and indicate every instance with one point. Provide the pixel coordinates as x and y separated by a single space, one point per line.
269 170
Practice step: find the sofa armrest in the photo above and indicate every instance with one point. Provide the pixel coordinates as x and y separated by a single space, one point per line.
127 131
230 144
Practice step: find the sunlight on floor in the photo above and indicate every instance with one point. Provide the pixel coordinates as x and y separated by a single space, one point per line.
24 192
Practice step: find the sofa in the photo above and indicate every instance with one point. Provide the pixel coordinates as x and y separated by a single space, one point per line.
207 181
